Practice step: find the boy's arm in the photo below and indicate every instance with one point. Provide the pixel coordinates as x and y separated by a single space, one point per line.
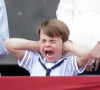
83 53
17 46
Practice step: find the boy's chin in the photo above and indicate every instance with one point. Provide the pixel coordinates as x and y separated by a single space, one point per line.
50 59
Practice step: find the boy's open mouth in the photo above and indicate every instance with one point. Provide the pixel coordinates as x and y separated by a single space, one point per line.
49 53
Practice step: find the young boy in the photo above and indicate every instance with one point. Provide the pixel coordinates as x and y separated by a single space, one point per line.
47 57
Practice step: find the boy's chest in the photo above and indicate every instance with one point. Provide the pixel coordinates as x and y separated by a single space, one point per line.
61 70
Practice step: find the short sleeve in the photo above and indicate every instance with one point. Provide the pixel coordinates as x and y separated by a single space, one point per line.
28 60
77 69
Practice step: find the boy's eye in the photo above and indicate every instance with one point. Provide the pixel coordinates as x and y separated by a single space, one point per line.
43 41
52 41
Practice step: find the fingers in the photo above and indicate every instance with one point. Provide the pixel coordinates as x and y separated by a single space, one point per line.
90 66
93 65
97 62
94 61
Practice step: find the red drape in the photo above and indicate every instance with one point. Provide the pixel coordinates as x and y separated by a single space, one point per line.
50 83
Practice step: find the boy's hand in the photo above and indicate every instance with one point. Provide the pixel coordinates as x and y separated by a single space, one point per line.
66 51
66 46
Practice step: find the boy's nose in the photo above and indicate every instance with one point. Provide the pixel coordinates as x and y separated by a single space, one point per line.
47 44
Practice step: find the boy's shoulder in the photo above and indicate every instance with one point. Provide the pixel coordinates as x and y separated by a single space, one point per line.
71 57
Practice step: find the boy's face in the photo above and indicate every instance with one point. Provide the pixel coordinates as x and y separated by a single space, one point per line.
50 47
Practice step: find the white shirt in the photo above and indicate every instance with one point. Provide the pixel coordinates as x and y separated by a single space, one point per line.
4 33
31 63
83 20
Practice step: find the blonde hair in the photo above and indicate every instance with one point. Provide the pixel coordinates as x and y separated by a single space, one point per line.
53 28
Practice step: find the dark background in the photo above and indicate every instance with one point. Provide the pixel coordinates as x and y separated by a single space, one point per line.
23 17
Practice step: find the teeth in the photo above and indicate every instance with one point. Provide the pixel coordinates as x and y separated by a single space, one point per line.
49 55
